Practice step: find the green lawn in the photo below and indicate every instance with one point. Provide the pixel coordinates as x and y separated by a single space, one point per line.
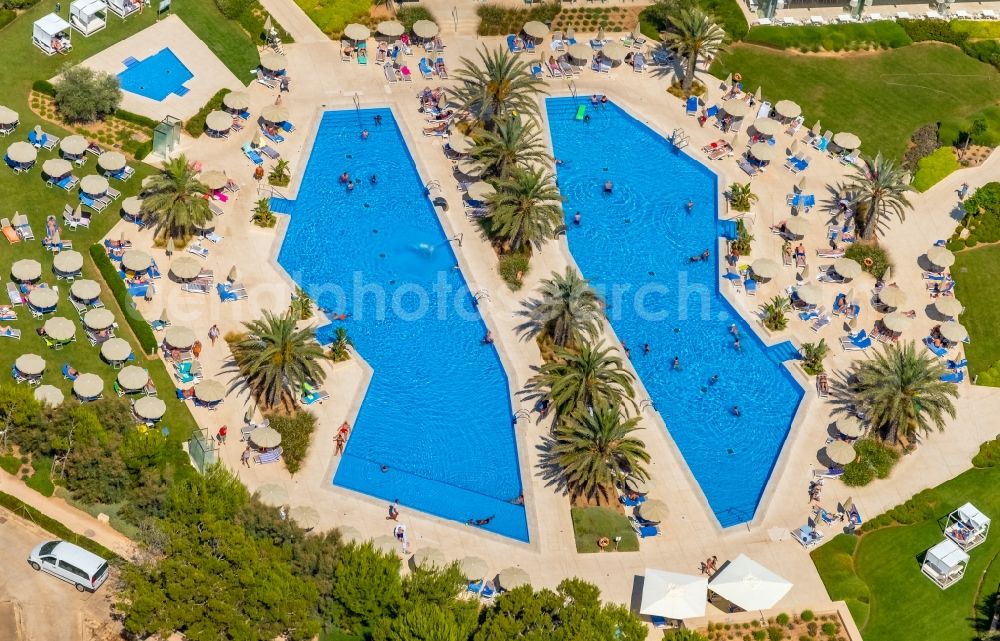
332 16
879 576
592 523
933 168
975 273
883 97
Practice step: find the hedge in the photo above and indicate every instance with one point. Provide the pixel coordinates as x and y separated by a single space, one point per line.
497 20
143 332
959 34
44 87
196 123
136 119
25 511
6 17
839 37
143 150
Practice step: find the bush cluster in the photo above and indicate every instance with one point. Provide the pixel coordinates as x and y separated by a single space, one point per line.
296 430
865 251
143 332
498 20
955 33
510 266
982 218
195 125
656 17
410 14
933 168
85 95
838 37
923 142
989 454
875 460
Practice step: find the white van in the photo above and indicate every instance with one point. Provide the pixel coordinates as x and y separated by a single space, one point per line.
71 563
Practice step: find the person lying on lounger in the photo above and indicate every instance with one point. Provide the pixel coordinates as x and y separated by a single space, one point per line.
437 129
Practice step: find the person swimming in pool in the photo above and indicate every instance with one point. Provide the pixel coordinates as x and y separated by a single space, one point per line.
690 205
677 363
714 379
576 218
344 178
608 186
374 179
736 411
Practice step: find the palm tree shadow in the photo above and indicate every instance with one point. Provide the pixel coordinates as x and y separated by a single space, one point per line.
986 609
842 393
548 467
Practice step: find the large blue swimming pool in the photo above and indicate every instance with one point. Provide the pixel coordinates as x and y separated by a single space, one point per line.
437 414
155 77
638 241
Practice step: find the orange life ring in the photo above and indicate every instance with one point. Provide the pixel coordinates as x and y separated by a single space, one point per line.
603 542
868 262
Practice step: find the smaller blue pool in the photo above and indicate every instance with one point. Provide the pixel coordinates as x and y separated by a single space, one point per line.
155 77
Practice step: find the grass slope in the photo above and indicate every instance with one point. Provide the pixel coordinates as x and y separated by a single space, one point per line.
332 16
592 523
879 574
883 97
975 273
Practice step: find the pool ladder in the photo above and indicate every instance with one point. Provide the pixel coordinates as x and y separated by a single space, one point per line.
679 138
647 402
572 87
482 294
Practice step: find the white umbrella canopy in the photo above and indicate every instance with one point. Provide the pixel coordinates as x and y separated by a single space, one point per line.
614 51
219 121
272 494
429 557
846 140
98 319
50 395
809 294
797 226
892 296
788 109
43 298
948 306
749 584
673 595
473 567
179 337
185 268
737 108
766 152
94 185
214 179
816 128
88 386
59 328
74 145
132 205
210 391
469 167
391 28
22 152
460 143
56 167
896 322
425 29
850 426
355 31
954 331
840 452
236 100
115 350
847 268
111 161
8 116
512 577
274 113
307 517
272 61
233 275
133 378
150 408
68 262
765 268
135 260
536 29
637 485
580 51
653 511
767 126
480 190
266 437
941 256
26 269
30 364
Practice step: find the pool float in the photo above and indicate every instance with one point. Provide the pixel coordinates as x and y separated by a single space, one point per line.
868 262
581 111
603 542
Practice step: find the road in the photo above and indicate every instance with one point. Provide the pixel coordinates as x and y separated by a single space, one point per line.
49 609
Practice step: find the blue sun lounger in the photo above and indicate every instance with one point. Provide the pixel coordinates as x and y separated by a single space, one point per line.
254 157
511 47
954 377
937 351
529 45
425 69
287 127
272 137
957 364
536 70
692 106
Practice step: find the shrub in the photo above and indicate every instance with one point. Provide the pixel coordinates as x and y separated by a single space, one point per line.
924 30
279 176
18 4
924 142
340 347
741 198
989 454
829 629
10 464
40 480
195 125
6 17
85 95
862 252
143 332
807 615
512 268
875 460
410 14
759 635
44 87
774 633
741 244
882 35
934 168
136 119
296 430
813 355
497 20
262 214
143 149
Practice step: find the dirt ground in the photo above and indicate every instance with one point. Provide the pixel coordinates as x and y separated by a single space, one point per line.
39 607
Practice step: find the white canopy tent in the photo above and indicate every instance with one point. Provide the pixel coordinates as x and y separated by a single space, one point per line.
88 16
124 8
672 595
749 585
967 526
945 563
51 34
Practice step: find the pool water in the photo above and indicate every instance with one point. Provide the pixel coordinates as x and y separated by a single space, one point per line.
437 413
155 77
641 237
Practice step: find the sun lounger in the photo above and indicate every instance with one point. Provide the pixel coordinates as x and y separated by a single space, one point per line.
10 332
250 153
488 592
14 295
198 250
264 80
808 536
196 288
425 69
23 227
954 377
315 396
391 73
957 364
270 152
940 352
405 72
692 106
536 71
568 70
750 285
275 137
722 150
829 473
822 385
512 44
820 323
270 456
850 158
230 293
856 342
747 168
643 530
96 205
639 63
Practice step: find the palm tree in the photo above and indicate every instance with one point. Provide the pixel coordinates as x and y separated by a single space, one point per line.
588 378
595 450
514 143
695 36
773 313
526 209
275 358
813 355
496 87
176 199
567 310
901 392
880 185
279 174
339 349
